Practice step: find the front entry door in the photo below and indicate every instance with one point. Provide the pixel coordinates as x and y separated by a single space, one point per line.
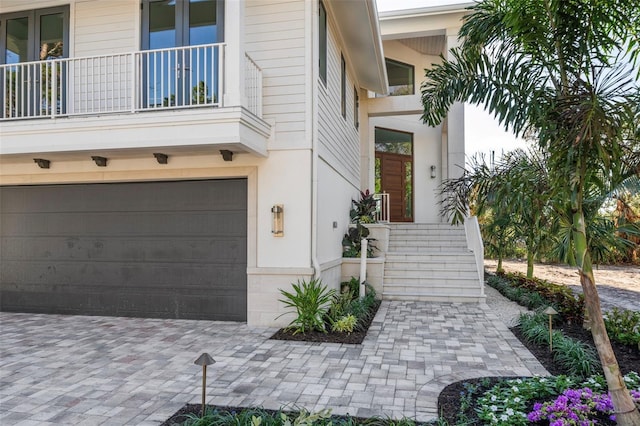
394 171
395 179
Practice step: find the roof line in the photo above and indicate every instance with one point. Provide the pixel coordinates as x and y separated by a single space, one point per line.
423 11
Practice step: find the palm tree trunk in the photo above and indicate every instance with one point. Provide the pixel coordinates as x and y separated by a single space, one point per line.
626 412
529 264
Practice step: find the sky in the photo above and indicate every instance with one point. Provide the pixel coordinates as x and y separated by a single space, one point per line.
482 131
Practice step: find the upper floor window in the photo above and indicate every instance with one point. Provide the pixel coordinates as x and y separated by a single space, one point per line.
356 108
401 78
343 87
322 43
34 35
175 23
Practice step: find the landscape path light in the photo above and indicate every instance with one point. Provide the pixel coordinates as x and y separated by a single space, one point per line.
204 360
551 312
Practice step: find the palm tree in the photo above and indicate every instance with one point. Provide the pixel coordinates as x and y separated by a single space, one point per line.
511 197
563 70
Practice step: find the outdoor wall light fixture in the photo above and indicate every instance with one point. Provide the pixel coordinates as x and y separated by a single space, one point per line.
226 155
161 158
277 224
42 163
433 172
204 360
100 161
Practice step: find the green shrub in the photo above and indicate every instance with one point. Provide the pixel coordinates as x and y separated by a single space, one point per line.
577 358
623 326
261 417
353 286
562 298
536 294
311 301
364 210
345 324
362 308
340 305
352 241
574 357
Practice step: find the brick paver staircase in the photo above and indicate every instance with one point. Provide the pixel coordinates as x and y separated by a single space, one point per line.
430 262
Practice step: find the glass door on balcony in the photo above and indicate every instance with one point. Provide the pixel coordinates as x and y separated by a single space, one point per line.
34 84
180 67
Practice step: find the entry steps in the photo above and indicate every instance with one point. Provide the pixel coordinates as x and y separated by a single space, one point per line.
430 262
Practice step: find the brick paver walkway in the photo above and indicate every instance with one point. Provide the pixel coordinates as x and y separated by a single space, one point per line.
80 370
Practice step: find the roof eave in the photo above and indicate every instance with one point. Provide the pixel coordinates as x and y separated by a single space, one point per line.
360 31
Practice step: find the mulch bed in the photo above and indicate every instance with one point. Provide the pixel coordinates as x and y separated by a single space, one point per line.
449 399
183 414
330 336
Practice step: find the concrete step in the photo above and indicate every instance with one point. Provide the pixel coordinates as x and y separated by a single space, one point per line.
400 273
432 282
430 226
433 225
418 250
435 256
430 262
425 233
445 236
433 297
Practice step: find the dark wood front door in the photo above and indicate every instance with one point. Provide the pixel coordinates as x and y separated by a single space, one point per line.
396 180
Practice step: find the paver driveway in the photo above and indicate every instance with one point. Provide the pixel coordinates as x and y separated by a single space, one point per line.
82 370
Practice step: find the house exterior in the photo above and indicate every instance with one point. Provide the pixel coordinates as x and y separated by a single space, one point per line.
190 158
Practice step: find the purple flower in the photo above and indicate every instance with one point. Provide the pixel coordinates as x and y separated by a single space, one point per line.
534 416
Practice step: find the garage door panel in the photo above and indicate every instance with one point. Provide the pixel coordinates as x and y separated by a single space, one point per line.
205 249
218 223
147 196
154 250
62 276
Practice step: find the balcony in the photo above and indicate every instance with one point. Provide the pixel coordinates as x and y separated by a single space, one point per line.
123 94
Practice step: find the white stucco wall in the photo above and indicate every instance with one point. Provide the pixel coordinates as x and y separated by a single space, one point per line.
402 113
283 178
426 152
334 201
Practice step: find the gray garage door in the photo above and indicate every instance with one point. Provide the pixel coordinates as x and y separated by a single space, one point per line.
147 249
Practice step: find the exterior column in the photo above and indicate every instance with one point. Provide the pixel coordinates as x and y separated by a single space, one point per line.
234 65
455 122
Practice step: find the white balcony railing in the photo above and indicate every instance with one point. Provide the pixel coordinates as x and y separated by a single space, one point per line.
184 77
253 86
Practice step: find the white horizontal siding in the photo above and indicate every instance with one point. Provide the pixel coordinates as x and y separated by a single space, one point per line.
339 139
275 39
105 27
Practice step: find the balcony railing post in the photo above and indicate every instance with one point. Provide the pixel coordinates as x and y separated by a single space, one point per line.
221 59
54 89
134 81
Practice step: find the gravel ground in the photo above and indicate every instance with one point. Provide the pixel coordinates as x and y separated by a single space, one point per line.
617 285
505 309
